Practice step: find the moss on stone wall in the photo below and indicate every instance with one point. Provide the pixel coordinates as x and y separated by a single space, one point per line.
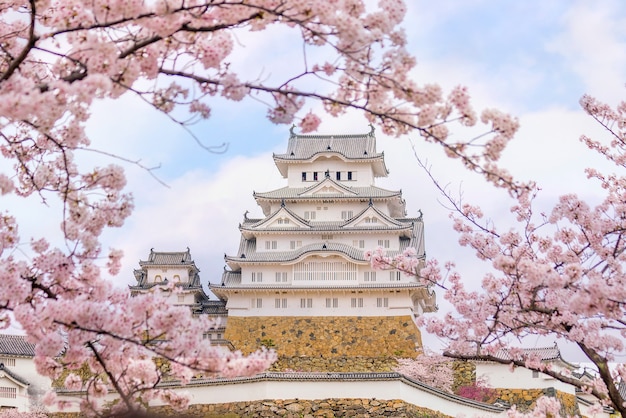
336 336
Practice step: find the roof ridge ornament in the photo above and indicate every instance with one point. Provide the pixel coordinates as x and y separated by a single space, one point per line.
291 130
371 132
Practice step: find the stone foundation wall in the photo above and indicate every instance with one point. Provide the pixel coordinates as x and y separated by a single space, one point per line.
464 373
294 408
525 399
334 364
336 336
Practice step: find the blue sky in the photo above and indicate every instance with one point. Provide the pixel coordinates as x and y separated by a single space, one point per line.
532 58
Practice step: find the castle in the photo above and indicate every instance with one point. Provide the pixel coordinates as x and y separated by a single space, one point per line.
299 281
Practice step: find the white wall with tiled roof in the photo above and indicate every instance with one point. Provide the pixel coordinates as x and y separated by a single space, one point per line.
501 376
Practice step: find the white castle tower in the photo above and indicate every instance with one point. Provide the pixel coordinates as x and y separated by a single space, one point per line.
299 281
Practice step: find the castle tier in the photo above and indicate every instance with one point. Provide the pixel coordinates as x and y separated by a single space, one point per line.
300 282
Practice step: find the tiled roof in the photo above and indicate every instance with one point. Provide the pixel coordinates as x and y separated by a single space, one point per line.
16 345
168 258
247 247
544 353
213 307
13 375
250 255
359 146
360 286
295 193
621 387
146 286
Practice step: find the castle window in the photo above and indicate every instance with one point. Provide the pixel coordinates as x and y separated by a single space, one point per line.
281 276
257 276
280 221
326 237
351 175
383 243
176 278
306 303
271 245
7 361
304 176
356 302
332 302
382 302
315 176
338 175
280 303
286 220
346 214
374 220
257 303
158 278
369 276
358 243
309 214
535 374
394 276
324 271
8 392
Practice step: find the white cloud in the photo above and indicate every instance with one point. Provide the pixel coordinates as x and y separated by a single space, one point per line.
593 43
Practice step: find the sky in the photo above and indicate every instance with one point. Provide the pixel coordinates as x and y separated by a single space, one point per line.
534 59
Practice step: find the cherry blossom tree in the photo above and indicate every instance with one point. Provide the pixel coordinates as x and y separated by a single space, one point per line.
58 56
559 274
430 368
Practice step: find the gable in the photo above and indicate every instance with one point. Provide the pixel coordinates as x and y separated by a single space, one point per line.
372 218
282 218
328 187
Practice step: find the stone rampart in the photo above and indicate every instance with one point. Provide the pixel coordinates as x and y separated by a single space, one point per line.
335 364
337 336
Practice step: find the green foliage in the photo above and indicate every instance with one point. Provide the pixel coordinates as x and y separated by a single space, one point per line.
268 343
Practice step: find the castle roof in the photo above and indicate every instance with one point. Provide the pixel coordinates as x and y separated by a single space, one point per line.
360 147
299 193
248 251
546 354
6 372
161 258
16 345
251 226
213 308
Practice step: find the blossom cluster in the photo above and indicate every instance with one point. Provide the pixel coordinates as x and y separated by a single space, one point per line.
559 274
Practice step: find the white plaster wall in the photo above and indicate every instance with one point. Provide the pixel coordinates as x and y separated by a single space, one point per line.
25 367
371 240
242 304
364 173
500 376
168 273
21 400
311 390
